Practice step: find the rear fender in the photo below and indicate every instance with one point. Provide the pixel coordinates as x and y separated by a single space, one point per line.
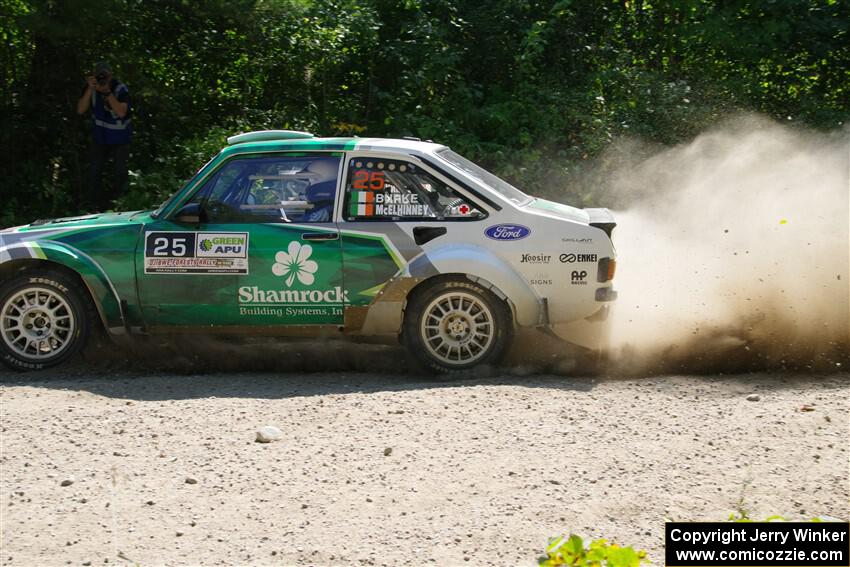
489 270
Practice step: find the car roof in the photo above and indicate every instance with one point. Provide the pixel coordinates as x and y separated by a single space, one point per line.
283 140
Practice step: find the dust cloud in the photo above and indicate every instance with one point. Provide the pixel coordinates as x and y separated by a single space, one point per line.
733 252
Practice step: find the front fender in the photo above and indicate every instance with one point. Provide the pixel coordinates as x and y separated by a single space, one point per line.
481 264
98 283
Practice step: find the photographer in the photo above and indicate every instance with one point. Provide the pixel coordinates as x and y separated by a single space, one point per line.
109 103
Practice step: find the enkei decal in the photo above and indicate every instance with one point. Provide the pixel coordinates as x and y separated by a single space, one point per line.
507 232
570 258
196 252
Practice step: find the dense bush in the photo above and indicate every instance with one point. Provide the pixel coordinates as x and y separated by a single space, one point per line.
534 90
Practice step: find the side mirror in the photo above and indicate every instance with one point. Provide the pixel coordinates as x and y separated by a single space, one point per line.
189 214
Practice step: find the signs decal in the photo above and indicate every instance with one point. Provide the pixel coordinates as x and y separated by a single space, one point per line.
172 252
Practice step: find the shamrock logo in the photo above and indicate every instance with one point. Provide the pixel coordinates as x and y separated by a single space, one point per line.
295 264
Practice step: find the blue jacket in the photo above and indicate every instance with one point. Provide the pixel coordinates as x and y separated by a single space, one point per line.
107 128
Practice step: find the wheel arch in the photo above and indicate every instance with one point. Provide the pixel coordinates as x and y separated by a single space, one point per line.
78 266
425 284
483 267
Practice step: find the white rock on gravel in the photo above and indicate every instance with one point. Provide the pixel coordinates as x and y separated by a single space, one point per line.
268 434
753 398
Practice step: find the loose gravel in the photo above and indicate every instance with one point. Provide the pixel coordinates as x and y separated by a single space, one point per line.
384 469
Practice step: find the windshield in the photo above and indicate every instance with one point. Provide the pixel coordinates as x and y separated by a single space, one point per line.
484 177
165 203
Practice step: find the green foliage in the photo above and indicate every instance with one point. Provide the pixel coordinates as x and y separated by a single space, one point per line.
536 91
572 551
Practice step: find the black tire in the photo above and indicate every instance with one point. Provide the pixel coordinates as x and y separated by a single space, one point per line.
454 329
50 330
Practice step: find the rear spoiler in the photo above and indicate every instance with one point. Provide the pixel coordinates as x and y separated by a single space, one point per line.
602 218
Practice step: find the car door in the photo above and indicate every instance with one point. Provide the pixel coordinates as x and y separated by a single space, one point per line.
254 247
394 210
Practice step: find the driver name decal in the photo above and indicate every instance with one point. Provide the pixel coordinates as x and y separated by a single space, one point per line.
370 203
171 252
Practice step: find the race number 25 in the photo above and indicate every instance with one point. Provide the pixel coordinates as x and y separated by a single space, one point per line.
169 244
363 180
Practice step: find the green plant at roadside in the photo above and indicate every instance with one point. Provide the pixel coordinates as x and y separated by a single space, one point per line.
572 551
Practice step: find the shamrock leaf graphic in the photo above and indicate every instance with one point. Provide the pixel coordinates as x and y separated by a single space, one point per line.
295 264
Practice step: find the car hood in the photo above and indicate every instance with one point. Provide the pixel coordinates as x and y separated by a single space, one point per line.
79 221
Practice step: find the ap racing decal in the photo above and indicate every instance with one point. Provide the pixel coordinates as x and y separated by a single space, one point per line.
507 232
196 252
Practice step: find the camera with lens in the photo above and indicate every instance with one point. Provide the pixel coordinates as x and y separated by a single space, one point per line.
102 78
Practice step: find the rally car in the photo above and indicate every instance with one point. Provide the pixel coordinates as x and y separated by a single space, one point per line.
286 234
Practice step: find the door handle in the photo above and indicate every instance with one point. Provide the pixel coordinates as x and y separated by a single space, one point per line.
320 236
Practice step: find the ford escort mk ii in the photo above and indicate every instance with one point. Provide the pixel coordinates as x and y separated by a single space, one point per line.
285 234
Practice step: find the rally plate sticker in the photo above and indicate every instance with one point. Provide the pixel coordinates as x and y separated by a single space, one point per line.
196 252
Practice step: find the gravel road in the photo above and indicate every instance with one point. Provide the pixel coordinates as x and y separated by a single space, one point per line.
382 467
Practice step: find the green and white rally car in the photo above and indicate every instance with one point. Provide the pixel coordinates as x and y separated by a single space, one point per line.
286 234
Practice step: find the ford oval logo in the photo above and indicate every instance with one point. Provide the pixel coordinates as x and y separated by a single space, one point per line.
507 232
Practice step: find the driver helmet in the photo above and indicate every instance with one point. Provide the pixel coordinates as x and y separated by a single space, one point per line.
322 180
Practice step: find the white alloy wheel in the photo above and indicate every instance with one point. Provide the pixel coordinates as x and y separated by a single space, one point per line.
37 323
457 328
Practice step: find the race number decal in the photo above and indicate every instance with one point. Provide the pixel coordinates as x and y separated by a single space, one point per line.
363 180
196 252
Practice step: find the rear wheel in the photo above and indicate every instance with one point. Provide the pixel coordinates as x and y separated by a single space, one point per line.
44 319
455 325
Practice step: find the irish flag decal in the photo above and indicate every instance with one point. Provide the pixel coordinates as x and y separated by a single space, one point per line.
362 204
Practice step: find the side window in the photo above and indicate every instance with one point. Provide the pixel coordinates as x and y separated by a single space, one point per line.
287 188
387 189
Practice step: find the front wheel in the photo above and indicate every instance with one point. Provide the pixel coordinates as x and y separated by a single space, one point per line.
455 325
44 319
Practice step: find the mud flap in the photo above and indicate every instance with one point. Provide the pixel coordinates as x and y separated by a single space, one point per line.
592 333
